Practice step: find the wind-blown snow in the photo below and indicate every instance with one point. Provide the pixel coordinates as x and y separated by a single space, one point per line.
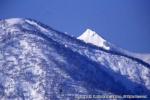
92 37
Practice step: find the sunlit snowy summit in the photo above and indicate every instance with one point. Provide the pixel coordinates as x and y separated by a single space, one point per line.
38 62
90 36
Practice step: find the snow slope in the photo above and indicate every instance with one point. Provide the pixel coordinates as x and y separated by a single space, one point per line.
40 63
94 38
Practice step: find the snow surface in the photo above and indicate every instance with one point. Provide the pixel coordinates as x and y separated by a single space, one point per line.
13 21
50 65
92 37
38 26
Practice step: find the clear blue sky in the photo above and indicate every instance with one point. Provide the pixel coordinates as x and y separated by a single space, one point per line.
125 23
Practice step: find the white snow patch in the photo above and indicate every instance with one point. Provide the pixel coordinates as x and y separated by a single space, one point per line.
12 59
14 21
25 45
32 91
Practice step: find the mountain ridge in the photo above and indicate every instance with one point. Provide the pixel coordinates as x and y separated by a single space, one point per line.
46 62
99 41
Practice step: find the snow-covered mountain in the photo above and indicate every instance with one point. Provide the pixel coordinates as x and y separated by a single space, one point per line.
38 62
90 36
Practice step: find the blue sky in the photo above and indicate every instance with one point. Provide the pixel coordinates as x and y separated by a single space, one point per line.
125 23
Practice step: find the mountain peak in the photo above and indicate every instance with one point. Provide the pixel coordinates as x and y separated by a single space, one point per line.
90 36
